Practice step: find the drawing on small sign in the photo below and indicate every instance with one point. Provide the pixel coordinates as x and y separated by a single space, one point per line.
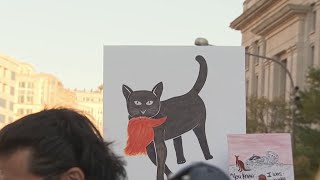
260 156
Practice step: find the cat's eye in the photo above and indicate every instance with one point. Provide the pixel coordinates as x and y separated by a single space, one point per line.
137 103
149 103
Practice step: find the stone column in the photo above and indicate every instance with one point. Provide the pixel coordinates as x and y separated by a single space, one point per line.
300 68
251 72
274 80
294 66
267 80
261 68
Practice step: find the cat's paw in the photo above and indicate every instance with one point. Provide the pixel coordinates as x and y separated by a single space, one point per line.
181 161
209 157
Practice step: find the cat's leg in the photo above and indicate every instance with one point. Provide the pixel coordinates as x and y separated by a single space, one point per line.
179 150
202 138
161 150
152 156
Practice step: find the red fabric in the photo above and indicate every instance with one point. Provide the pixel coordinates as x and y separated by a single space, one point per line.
140 134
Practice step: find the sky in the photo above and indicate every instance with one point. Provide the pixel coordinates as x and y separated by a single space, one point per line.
66 38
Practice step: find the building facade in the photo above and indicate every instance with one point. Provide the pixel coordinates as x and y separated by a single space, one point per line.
91 102
36 91
24 91
8 71
286 30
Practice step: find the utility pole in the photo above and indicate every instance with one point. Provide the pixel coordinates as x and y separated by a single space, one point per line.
293 95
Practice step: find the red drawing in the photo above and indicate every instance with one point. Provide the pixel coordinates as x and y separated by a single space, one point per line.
141 134
240 164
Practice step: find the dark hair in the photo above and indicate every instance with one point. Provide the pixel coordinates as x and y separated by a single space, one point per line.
60 139
200 171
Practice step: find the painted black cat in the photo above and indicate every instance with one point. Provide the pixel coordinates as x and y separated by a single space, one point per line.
184 113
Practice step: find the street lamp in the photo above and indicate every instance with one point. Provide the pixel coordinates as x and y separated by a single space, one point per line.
201 42
294 89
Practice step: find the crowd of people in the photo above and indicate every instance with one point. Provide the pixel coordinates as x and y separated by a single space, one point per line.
63 144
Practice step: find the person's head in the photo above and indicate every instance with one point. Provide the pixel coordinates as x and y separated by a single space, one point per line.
56 144
318 175
199 171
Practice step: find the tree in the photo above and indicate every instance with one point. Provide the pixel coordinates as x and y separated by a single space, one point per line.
265 116
310 98
308 126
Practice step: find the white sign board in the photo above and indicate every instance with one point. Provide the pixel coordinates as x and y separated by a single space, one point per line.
172 105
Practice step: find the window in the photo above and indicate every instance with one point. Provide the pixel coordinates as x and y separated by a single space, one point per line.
28 111
13 75
11 106
22 84
314 21
247 58
29 99
4 72
3 103
264 74
258 53
4 88
247 87
312 53
21 99
20 111
268 81
283 80
2 118
12 91
256 85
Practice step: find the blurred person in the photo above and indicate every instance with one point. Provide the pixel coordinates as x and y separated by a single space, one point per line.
318 175
56 144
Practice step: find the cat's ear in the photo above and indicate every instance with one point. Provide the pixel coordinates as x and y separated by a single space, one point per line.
157 90
126 91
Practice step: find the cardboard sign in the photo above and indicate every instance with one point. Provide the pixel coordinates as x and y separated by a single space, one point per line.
166 107
260 157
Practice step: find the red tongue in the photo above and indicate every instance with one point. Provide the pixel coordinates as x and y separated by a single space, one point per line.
140 134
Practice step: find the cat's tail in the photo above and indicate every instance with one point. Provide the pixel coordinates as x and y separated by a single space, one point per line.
202 77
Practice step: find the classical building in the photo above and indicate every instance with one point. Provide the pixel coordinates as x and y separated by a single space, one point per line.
8 71
91 102
286 30
24 91
39 90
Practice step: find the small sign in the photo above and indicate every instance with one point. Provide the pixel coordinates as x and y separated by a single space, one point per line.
260 157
